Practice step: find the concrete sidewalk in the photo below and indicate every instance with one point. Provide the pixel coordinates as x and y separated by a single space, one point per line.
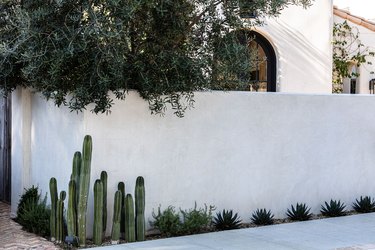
355 232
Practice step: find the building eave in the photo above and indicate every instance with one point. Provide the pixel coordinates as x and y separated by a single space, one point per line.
354 19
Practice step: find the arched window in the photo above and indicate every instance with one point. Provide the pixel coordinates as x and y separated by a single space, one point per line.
245 61
263 71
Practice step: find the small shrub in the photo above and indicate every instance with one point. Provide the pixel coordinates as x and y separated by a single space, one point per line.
364 205
226 220
262 217
333 209
168 222
301 212
34 215
196 220
30 196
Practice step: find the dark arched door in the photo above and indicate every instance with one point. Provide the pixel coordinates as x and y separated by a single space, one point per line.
263 70
252 67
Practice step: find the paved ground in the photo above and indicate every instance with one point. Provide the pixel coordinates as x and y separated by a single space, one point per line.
13 237
356 232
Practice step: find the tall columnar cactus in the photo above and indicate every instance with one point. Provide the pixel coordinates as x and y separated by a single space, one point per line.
140 208
129 219
121 187
76 169
53 194
116 223
104 178
72 210
58 221
60 218
84 183
98 213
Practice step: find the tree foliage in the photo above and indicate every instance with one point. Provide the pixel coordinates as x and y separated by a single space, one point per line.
78 52
347 50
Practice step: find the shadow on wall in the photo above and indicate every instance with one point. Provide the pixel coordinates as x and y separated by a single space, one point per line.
314 74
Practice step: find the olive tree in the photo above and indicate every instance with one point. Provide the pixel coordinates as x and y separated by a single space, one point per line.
81 52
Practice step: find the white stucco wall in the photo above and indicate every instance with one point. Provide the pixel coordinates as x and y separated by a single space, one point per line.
235 150
20 148
366 71
302 41
36 124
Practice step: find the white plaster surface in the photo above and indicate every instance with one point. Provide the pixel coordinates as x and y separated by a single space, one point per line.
20 152
302 39
234 150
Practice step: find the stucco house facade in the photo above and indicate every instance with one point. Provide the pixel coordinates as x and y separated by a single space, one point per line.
301 40
235 150
366 35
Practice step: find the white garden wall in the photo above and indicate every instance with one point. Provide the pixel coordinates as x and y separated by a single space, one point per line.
235 150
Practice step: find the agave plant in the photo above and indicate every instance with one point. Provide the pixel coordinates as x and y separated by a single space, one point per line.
333 208
364 205
262 217
226 220
301 212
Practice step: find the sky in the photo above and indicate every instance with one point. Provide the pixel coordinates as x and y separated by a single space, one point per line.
362 8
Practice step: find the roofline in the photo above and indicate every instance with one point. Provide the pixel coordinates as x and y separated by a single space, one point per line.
354 19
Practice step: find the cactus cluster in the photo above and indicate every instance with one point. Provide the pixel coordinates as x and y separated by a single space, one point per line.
57 222
78 195
130 213
128 216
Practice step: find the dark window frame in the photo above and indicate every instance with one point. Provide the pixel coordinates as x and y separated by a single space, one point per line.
271 59
353 86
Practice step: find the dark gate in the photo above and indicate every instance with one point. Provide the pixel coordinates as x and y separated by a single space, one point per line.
5 148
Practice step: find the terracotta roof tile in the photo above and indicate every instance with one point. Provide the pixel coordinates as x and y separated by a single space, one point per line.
354 19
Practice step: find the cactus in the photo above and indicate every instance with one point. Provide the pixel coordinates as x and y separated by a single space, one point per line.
116 224
77 160
104 178
61 215
121 187
62 195
129 219
140 208
58 222
72 209
74 195
53 194
60 218
84 183
98 213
